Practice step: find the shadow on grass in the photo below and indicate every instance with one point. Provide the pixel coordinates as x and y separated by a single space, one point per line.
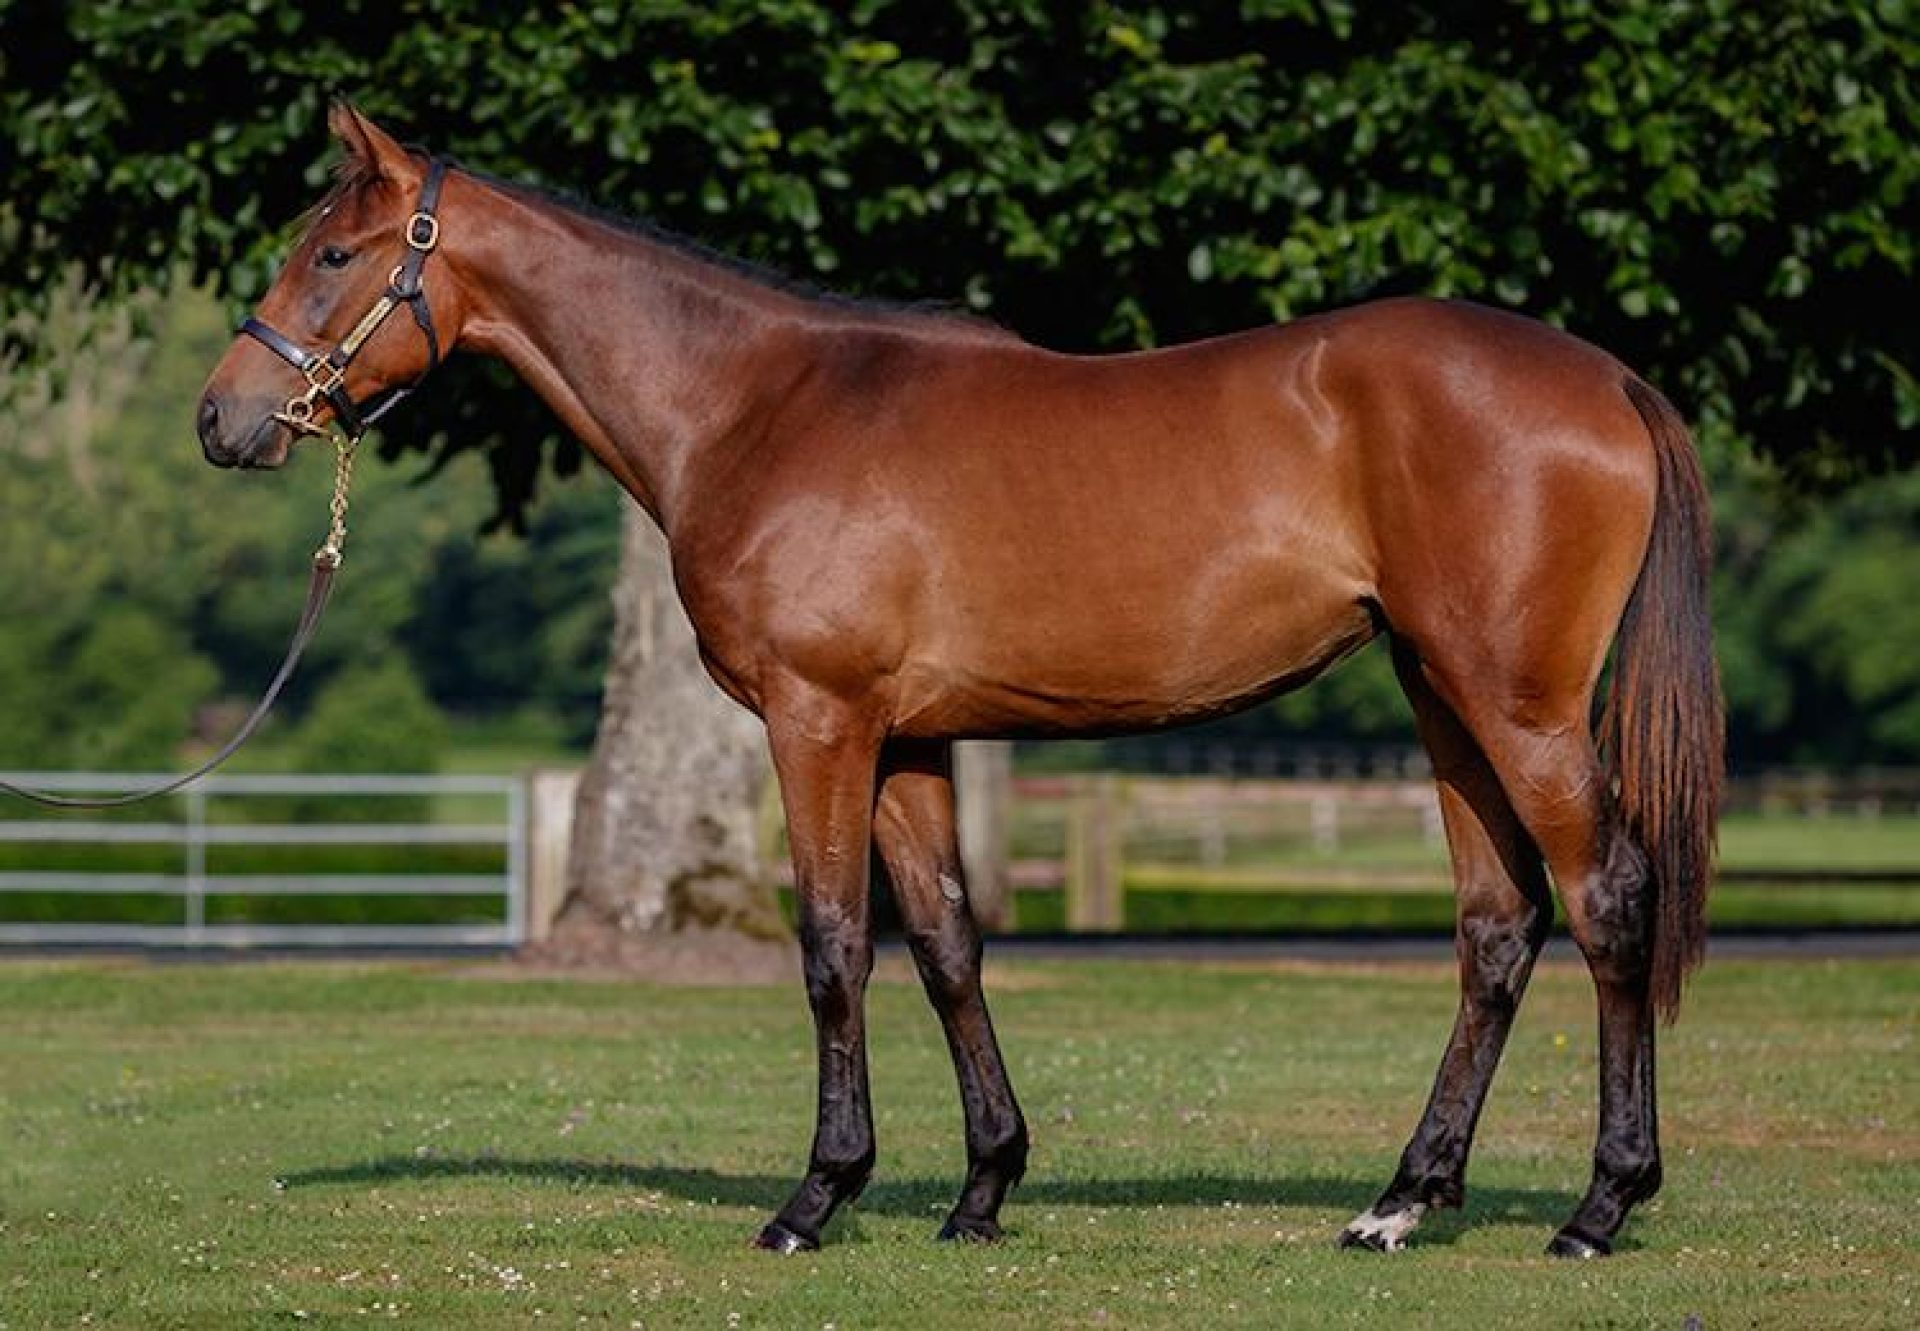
929 1198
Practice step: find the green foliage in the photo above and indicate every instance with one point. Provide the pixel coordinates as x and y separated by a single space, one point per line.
1819 642
111 691
372 717
137 584
1359 699
500 625
1721 192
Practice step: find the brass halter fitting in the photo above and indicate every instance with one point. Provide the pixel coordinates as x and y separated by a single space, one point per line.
297 415
334 550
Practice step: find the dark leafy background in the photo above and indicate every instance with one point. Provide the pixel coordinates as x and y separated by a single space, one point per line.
1721 192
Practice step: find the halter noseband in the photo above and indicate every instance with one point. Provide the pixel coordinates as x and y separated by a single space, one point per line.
326 375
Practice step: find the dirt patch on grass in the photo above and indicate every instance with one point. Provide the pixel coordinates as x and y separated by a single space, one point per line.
692 957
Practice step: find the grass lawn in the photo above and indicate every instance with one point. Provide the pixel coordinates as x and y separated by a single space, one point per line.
450 1145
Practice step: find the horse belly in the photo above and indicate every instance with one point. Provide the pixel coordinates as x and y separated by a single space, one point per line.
1130 646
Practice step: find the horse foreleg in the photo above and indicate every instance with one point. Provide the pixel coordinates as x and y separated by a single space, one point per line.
914 831
1503 915
825 756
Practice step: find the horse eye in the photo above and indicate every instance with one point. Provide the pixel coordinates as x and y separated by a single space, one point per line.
332 256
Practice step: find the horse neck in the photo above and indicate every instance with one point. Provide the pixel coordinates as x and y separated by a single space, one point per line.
655 358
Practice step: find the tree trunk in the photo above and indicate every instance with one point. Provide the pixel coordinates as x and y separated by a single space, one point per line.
983 796
664 850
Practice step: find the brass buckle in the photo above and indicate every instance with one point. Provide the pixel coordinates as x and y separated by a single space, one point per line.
415 239
323 377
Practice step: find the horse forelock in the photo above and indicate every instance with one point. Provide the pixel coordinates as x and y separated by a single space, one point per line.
353 175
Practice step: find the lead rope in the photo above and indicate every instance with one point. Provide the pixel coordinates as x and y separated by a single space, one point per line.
326 562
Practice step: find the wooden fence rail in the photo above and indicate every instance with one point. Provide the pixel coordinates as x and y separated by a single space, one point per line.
1088 835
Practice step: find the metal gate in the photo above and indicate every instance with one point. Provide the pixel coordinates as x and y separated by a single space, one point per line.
229 869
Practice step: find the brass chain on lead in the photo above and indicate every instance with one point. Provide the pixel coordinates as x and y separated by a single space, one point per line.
334 550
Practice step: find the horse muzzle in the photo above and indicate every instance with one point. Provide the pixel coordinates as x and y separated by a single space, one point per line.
223 442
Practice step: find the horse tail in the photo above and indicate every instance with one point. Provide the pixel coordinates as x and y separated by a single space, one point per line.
1662 730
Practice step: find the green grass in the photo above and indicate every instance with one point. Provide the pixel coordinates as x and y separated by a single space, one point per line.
1757 841
1747 841
256 1145
1183 904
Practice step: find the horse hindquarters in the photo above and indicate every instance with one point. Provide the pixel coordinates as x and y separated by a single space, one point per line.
1522 688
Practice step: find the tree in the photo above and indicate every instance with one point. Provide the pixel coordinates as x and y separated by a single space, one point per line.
1821 650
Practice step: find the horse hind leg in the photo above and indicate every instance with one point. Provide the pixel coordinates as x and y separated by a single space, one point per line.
914 832
1544 753
1503 911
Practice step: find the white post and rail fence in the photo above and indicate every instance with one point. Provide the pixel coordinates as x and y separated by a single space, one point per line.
481 861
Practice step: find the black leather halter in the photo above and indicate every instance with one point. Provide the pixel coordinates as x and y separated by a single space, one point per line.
326 375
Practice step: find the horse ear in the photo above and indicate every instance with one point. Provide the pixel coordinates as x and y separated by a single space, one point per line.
369 146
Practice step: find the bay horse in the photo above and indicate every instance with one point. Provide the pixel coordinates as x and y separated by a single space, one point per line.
893 529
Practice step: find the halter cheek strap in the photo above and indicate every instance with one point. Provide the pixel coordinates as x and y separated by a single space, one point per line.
326 374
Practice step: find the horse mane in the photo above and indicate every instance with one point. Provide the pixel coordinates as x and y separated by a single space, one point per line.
761 274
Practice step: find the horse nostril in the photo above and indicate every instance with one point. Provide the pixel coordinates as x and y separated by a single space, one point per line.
209 417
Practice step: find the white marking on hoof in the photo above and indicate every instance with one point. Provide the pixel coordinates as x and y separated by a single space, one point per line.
1384 1233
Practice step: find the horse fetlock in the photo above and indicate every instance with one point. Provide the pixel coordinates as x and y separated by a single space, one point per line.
844 1179
1432 1172
1003 1156
779 1237
961 1228
1633 1180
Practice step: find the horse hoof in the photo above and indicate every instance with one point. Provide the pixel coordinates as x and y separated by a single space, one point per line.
776 1237
1369 1240
1382 1233
1569 1244
958 1230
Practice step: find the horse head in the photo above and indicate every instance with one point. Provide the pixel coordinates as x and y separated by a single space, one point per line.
320 349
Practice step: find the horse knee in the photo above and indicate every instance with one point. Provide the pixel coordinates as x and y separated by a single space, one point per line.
837 959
